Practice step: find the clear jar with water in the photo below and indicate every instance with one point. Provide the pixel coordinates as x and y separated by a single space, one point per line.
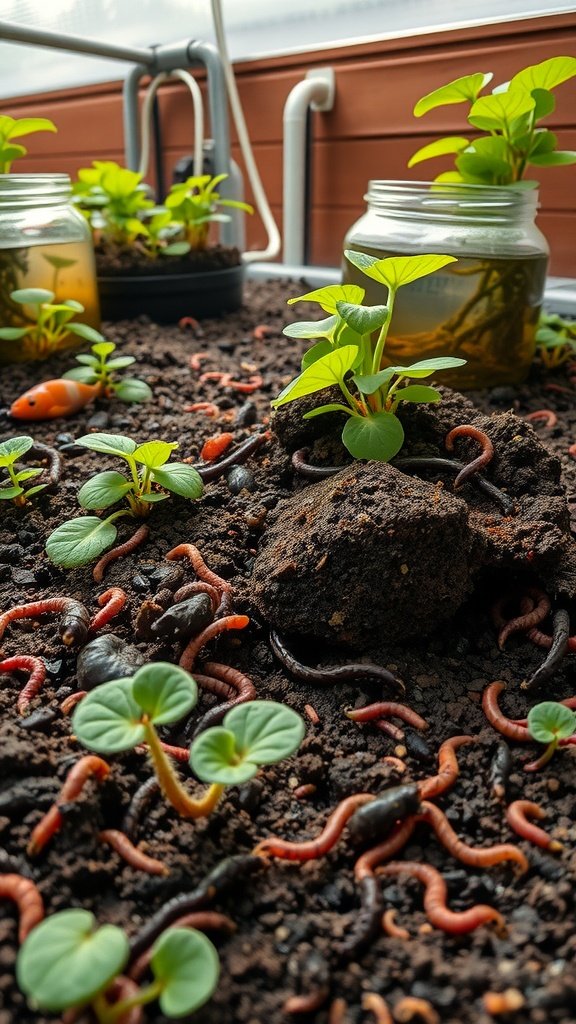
485 307
44 243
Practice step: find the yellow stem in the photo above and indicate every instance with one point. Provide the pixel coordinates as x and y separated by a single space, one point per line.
186 806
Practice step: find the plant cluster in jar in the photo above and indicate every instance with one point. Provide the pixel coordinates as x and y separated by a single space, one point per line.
47 324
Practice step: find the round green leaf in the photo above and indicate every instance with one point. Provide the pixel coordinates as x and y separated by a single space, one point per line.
154 454
418 393
551 721
84 331
311 328
79 541
67 960
265 730
103 348
13 333
396 271
111 444
86 360
214 758
323 373
14 448
108 718
32 296
7 493
546 75
120 362
363 319
187 964
180 479
58 262
379 436
104 489
131 389
461 89
330 294
164 691
82 373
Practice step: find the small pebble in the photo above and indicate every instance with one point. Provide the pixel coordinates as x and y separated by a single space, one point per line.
140 584
39 720
240 479
99 421
247 415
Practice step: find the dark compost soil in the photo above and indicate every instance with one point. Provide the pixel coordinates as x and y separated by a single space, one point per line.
290 918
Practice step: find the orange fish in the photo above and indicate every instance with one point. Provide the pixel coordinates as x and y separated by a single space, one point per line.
54 398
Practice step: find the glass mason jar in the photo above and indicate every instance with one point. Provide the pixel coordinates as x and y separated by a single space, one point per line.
44 243
485 307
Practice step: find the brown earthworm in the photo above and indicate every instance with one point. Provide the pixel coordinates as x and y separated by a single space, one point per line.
304 468
139 803
73 625
69 703
543 640
475 856
111 603
387 708
395 842
304 791
343 673
417 462
190 551
448 769
308 1003
456 923
197 358
558 648
394 731
467 430
228 622
219 376
73 785
234 458
202 920
208 408
123 846
28 900
500 768
312 714
247 387
497 719
337 1011
37 670
241 685
181 754
410 1007
198 587
53 473
374 1003
543 414
214 447
395 762
516 814
529 619
310 849
390 927
126 548
261 331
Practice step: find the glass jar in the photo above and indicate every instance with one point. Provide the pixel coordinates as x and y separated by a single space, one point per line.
44 243
485 307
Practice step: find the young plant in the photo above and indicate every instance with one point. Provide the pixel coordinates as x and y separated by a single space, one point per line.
508 119
118 715
15 128
69 962
194 204
549 722
10 452
555 340
50 324
113 200
98 368
349 351
84 538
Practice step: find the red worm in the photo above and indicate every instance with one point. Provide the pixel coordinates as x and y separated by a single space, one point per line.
118 552
190 551
456 923
189 322
467 430
516 814
73 625
246 387
241 685
111 603
310 849
308 1003
199 587
476 857
304 791
262 331
70 702
209 408
190 653
27 899
448 768
178 753
390 729
131 854
214 447
395 762
198 358
504 725
202 920
312 714
392 929
219 376
543 640
365 865
410 1007
37 670
374 1003
530 617
384 708
73 785
543 414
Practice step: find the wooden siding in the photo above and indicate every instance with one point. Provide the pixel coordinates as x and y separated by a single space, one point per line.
370 133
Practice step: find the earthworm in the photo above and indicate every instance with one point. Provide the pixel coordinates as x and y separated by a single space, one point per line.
454 922
543 640
214 447
390 729
366 921
220 376
246 387
73 625
497 1003
190 551
197 358
572 449
301 465
497 719
543 414
376 819
234 458
467 430
303 792
307 1003
123 846
375 1004
126 548
242 686
448 770
337 1011
70 702
53 472
383 708
330 676
28 900
531 618
262 331
558 648
37 670
226 874
395 762
312 714
417 462
189 322
516 815
474 856
395 842
390 927
139 804
189 654
198 587
73 785
310 849
111 603
202 920
181 754
500 768
209 408
410 1007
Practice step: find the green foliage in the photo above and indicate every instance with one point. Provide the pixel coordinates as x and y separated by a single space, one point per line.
186 967
348 353
10 452
510 115
15 128
551 721
82 539
194 205
555 340
98 368
50 323
113 200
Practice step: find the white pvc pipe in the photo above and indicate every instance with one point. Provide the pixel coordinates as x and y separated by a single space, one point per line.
194 88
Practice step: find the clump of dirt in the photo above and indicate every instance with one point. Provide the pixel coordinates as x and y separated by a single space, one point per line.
131 261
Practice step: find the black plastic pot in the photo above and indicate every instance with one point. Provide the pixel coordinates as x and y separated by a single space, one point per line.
168 297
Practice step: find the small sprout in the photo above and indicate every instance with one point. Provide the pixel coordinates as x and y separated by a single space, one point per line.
10 452
112 198
50 323
555 340
69 962
194 205
123 713
549 722
84 538
14 128
98 369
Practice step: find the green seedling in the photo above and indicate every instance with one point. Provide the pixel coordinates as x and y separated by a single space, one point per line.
555 340
15 128
10 452
50 324
98 368
119 715
113 199
550 722
195 203
508 119
58 263
84 538
349 351
162 236
68 962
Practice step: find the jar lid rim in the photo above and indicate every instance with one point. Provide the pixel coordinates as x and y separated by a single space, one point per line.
453 190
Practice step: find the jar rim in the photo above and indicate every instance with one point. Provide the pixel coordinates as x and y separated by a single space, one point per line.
32 189
438 196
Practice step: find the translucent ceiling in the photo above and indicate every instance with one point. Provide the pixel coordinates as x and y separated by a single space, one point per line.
254 28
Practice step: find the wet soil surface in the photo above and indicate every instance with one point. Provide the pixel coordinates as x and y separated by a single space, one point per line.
290 919
133 262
